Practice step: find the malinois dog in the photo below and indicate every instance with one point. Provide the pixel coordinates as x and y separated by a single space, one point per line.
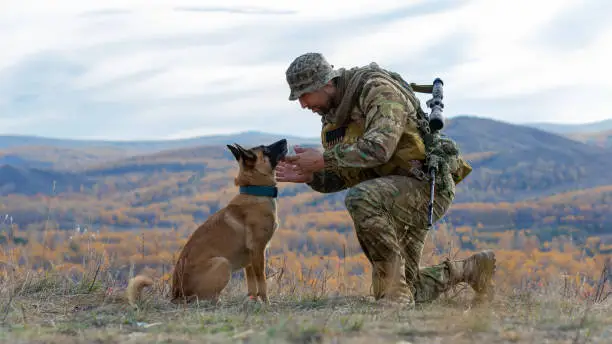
233 238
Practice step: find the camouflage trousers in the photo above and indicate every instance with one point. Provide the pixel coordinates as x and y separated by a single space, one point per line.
390 216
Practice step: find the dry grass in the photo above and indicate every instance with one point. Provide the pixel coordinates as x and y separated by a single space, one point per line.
50 308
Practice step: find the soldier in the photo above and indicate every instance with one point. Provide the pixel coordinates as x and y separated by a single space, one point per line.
373 143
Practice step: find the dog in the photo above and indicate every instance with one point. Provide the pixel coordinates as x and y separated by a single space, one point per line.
233 238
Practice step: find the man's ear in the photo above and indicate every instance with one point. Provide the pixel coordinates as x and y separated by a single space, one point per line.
235 151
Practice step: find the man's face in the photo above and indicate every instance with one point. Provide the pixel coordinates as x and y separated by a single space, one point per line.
318 101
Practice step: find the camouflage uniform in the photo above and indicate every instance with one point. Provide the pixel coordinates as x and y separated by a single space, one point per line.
388 205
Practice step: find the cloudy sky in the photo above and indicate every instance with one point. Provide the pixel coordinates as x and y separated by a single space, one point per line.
152 69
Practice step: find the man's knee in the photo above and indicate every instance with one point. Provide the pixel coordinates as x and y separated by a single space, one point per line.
360 197
367 196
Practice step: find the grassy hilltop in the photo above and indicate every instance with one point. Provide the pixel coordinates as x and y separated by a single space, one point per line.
78 218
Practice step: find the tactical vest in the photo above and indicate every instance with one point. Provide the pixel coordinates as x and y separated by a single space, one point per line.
450 163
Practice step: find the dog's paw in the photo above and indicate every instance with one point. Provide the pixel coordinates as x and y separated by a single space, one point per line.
251 299
263 298
257 299
253 303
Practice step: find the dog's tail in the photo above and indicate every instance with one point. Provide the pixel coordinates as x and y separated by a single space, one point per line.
135 286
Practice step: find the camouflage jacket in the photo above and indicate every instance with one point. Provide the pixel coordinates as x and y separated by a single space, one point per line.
383 112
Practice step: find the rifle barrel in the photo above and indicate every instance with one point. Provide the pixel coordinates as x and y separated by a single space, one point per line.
432 187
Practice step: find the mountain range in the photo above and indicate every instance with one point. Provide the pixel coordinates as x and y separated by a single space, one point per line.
518 161
573 128
246 138
517 166
582 132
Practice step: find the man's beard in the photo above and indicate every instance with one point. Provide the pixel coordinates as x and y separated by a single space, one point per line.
325 109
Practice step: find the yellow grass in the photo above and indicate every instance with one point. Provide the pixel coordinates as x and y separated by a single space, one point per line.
64 289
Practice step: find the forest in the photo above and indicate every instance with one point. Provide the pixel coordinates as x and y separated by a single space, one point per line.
542 200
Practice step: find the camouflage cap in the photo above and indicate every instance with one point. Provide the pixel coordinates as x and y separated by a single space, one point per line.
308 72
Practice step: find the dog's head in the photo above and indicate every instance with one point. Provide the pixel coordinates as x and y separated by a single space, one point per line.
257 164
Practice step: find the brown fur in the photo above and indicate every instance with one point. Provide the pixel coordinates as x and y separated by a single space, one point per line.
233 238
135 286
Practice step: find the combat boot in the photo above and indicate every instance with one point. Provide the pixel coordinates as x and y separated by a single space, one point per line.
478 271
389 285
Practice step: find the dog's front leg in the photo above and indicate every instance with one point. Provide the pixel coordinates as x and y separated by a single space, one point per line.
249 272
259 267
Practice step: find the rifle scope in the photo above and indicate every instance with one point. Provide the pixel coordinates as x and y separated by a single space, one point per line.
436 119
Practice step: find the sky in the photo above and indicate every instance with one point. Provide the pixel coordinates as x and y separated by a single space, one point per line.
153 69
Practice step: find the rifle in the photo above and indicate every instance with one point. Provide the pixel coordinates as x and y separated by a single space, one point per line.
436 123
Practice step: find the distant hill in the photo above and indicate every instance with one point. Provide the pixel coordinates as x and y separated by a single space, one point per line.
32 181
21 160
485 135
518 162
245 138
195 159
523 178
511 162
600 138
62 158
456 124
76 155
561 128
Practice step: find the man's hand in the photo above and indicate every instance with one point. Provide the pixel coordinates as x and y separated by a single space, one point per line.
286 172
308 160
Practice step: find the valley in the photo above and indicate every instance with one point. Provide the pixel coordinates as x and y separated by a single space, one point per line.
523 179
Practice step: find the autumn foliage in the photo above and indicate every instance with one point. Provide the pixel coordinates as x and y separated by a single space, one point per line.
305 258
139 211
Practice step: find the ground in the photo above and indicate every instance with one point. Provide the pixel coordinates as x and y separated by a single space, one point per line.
45 312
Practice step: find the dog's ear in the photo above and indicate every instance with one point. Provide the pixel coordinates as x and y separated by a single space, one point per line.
235 151
245 153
